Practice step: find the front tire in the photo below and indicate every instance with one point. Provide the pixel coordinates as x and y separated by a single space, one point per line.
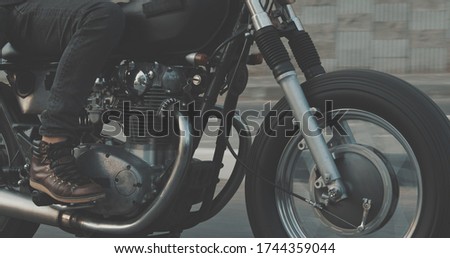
413 120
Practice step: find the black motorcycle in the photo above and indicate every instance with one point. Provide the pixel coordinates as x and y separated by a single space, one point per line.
345 154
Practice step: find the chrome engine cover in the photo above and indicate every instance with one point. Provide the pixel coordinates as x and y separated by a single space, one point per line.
127 180
131 171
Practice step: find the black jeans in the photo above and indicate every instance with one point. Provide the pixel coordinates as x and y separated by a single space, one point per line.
82 33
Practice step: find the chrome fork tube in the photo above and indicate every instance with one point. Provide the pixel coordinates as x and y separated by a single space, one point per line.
301 110
312 134
260 18
293 17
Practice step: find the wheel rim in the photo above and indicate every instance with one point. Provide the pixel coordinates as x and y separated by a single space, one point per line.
399 215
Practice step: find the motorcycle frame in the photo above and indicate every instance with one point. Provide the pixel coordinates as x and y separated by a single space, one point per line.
230 58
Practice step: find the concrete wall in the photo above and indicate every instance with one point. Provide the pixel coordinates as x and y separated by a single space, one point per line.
396 36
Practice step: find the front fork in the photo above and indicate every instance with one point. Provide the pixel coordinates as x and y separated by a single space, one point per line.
268 40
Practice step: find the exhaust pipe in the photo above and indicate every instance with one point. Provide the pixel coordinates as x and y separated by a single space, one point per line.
20 206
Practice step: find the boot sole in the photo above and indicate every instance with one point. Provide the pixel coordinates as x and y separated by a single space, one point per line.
68 200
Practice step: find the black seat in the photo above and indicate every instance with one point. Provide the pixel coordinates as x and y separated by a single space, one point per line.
11 54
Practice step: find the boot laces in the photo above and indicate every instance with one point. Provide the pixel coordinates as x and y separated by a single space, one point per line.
64 164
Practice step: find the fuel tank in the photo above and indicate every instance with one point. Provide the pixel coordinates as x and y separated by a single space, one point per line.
164 27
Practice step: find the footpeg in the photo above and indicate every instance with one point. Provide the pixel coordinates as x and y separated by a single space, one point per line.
41 199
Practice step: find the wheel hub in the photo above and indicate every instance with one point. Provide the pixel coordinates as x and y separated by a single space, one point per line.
367 175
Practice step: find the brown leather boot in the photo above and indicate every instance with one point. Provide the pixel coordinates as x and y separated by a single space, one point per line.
54 172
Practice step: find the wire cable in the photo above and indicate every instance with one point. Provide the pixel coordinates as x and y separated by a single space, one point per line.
310 202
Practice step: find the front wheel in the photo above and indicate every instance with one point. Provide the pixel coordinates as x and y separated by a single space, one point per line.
391 144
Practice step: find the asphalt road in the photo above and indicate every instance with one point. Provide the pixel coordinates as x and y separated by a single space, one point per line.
232 221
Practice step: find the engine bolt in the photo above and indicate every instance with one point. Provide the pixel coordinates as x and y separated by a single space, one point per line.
197 80
334 193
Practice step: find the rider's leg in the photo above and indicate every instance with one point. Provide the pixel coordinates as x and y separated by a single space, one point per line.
82 33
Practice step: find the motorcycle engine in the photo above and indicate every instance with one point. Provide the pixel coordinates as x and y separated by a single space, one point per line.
130 162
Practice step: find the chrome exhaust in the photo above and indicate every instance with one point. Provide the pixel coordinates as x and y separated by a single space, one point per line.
20 206
158 206
17 205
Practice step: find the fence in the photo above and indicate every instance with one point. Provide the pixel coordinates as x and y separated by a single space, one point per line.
396 36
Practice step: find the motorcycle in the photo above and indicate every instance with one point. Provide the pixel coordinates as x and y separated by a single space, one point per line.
353 153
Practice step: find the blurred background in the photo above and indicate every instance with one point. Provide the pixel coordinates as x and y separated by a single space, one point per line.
395 36
408 38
